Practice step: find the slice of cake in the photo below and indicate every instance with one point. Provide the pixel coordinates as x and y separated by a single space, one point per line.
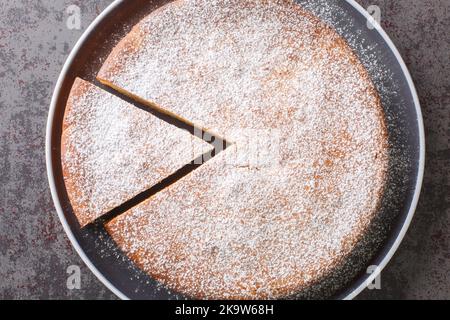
112 151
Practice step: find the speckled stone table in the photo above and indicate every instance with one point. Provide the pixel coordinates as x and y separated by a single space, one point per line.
34 250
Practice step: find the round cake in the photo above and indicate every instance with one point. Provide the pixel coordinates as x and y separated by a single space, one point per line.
279 211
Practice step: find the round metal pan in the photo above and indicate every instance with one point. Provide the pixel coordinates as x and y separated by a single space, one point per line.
400 102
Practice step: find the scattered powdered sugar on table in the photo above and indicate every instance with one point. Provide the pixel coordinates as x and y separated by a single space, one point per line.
112 151
239 230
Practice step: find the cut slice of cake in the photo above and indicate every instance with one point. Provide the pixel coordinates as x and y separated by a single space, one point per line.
111 150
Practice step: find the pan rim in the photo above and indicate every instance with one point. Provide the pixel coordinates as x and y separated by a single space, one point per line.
359 288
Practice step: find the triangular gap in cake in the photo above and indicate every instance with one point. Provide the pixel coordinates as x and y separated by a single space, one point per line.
207 134
111 151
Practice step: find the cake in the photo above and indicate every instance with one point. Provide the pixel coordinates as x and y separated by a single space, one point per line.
112 151
277 212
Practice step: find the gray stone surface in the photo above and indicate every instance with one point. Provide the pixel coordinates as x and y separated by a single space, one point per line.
34 250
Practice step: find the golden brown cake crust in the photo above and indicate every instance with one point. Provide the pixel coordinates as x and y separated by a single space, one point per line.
280 218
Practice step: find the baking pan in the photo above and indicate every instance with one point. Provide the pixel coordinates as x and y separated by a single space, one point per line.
378 54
